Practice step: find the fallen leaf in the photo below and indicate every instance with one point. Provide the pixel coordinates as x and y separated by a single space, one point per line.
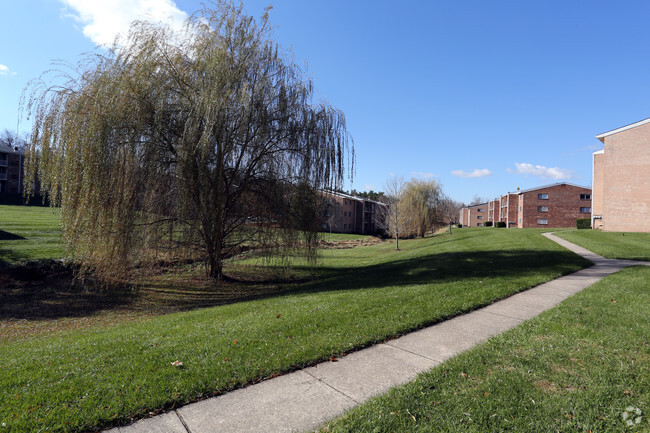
278 316
177 363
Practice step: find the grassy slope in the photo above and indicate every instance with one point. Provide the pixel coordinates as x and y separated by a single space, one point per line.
575 368
85 379
29 233
632 246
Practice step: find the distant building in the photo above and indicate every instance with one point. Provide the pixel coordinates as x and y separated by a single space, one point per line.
475 215
621 179
493 210
509 209
556 205
12 161
349 214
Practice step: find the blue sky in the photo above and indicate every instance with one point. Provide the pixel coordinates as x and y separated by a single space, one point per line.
483 96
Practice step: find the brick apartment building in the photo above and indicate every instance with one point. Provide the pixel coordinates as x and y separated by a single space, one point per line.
556 205
621 179
12 161
509 209
474 216
493 210
350 214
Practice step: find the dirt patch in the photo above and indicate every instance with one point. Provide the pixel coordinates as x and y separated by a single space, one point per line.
350 244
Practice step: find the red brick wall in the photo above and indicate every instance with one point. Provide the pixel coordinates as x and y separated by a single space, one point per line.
598 189
626 188
475 215
563 205
494 208
509 209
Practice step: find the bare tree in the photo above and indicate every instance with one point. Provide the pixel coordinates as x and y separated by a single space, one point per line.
13 140
207 141
477 199
392 220
448 210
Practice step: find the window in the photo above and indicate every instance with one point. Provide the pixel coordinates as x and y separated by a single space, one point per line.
480 217
3 173
542 208
479 225
585 210
479 210
542 221
585 197
4 158
542 196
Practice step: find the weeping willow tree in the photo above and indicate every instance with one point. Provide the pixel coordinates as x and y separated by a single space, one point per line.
420 204
201 141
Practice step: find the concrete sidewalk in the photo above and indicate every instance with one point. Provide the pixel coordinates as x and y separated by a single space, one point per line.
306 399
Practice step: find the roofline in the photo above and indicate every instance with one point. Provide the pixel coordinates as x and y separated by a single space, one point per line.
598 152
602 136
350 197
551 186
9 149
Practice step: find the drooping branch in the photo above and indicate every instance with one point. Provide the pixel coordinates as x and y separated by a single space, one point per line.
205 139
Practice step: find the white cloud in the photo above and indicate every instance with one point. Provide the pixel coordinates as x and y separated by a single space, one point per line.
103 20
475 173
422 174
4 70
555 173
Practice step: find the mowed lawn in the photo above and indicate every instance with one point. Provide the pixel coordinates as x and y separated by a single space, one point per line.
29 233
583 366
614 245
103 376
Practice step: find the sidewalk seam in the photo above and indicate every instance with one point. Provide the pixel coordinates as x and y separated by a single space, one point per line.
330 386
388 343
180 418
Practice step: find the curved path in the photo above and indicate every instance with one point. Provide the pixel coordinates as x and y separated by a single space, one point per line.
306 399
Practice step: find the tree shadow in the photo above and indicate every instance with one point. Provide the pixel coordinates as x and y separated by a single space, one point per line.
51 293
448 267
47 289
8 236
168 296
8 256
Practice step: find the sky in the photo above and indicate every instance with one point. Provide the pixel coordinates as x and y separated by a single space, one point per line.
484 97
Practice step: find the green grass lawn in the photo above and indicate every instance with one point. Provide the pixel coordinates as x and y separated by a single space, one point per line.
631 246
101 376
29 233
575 368
337 237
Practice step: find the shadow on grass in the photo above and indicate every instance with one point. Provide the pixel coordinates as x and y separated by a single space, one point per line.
450 267
8 236
7 256
47 290
55 294
434 268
